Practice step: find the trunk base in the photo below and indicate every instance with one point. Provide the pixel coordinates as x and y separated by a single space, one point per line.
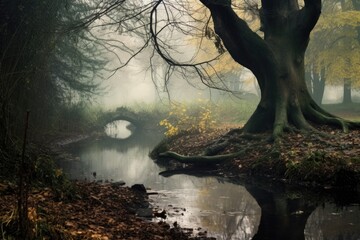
293 116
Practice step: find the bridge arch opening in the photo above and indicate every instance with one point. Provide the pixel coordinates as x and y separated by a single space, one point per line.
120 129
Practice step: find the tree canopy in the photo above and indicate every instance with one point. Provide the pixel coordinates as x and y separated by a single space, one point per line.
335 44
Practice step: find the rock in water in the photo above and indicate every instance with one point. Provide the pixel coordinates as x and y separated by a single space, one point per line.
139 187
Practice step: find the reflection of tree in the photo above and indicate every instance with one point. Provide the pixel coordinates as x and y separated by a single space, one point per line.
113 158
332 223
315 231
281 217
285 210
244 226
237 213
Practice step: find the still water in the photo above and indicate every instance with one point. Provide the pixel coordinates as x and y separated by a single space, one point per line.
223 209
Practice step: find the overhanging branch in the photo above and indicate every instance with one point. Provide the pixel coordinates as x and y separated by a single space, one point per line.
245 46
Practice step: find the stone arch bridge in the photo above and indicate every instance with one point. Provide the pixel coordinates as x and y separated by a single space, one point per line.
141 120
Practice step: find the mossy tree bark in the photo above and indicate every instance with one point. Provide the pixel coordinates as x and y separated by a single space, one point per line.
277 61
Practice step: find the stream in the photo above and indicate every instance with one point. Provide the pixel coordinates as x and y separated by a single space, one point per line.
221 208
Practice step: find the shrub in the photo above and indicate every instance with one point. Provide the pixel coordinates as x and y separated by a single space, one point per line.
182 117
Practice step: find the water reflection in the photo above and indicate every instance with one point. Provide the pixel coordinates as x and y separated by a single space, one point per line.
332 223
113 159
282 217
241 210
120 129
225 210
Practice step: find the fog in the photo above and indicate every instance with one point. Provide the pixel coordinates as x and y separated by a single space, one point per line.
134 85
334 94
141 81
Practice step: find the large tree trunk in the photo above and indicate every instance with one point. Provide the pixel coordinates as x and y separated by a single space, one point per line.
277 61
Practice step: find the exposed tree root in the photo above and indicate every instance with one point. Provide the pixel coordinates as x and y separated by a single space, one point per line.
330 119
295 117
216 147
209 156
326 118
200 159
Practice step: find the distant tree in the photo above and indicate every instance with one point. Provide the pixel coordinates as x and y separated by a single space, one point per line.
78 58
41 61
24 42
334 50
316 83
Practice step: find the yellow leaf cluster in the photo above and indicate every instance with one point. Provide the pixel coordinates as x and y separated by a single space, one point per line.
338 19
183 118
335 47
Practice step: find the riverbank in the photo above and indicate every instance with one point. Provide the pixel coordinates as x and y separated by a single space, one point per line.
94 211
331 160
60 209
63 209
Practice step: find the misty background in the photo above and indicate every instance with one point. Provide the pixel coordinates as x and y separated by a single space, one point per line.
68 59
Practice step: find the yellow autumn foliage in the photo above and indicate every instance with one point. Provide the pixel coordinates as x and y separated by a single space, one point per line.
338 19
334 45
184 118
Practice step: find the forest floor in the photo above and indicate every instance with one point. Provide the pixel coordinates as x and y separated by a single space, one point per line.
60 209
83 210
95 211
327 160
330 160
